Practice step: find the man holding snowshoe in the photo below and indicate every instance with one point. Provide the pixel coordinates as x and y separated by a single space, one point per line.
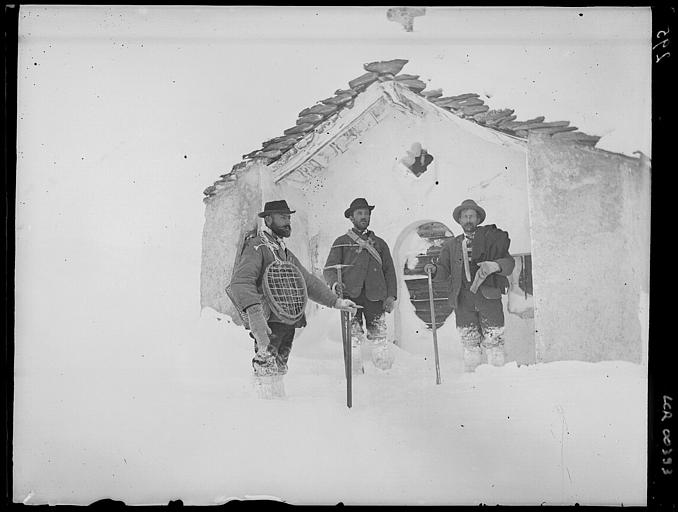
270 288
476 264
368 278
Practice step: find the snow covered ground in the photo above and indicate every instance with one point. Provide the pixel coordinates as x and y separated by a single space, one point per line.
191 428
124 390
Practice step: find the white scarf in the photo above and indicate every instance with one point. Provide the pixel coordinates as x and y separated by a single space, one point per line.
468 237
265 230
464 250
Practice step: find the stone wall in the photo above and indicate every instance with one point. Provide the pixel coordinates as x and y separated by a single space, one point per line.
228 216
590 223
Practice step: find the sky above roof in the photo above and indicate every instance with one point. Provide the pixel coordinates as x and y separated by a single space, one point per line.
250 70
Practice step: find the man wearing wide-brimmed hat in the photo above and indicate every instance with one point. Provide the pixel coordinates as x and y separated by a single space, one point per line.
369 280
272 321
476 264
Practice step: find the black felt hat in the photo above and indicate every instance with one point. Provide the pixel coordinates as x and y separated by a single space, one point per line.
468 204
275 207
360 202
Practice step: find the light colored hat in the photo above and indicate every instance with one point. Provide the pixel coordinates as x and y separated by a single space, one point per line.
468 204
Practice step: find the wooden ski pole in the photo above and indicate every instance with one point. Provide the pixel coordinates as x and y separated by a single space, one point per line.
345 339
433 324
343 328
343 325
349 360
347 347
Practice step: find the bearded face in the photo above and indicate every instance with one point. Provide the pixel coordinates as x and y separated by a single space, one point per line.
361 218
280 224
469 220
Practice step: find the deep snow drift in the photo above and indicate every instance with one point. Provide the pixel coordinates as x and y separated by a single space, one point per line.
558 433
123 390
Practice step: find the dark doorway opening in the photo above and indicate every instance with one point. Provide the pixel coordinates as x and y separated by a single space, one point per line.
433 235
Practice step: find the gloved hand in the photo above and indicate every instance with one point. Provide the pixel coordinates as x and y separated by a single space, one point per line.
346 305
258 326
264 362
485 268
338 289
430 268
389 303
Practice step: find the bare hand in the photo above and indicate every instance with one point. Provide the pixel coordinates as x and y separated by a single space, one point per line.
346 305
488 267
389 304
485 268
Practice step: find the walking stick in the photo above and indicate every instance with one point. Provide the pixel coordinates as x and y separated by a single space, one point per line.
346 341
433 324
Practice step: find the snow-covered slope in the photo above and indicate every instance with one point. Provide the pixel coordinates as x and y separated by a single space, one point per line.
558 433
123 390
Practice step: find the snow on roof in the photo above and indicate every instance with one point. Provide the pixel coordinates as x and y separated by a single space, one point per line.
468 106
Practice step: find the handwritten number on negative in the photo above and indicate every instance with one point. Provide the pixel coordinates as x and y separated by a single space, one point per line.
666 433
664 43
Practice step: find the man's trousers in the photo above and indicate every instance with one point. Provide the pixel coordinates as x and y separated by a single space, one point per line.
480 321
280 346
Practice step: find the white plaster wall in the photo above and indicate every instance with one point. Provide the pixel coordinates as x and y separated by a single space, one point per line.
590 227
465 165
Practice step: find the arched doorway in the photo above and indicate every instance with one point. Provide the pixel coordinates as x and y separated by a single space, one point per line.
418 244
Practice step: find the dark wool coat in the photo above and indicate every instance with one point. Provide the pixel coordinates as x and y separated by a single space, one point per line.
246 283
489 244
379 280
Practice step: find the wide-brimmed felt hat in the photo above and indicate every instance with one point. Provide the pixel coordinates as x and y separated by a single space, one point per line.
468 204
275 207
358 203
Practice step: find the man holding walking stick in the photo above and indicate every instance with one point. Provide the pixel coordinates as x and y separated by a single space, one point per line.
270 288
476 264
368 279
